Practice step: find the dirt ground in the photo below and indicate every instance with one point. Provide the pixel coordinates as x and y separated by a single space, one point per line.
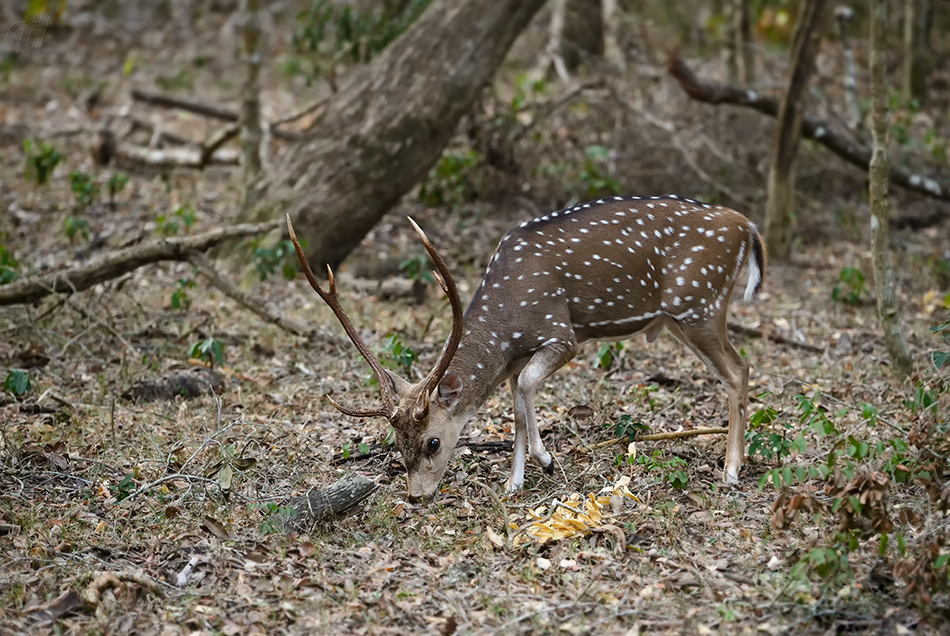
116 516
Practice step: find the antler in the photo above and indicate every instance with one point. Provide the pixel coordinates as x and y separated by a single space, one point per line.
447 283
330 298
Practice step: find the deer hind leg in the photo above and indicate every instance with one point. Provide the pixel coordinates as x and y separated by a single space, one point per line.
542 364
709 342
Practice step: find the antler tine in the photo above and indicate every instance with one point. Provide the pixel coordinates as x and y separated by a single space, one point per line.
452 342
359 412
330 298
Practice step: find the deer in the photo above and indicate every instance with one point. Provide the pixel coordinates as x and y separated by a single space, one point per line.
602 270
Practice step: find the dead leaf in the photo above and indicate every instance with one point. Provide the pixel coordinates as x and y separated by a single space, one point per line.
57 608
497 540
216 528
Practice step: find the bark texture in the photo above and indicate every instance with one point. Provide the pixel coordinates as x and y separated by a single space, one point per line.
252 131
576 33
781 189
335 499
887 306
613 54
743 21
386 127
114 264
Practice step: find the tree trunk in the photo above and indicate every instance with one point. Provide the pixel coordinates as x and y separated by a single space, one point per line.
887 307
732 37
843 17
743 18
252 132
576 35
613 54
388 125
778 209
917 61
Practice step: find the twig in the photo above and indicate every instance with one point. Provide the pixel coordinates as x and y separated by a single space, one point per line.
167 478
501 506
758 333
189 105
300 114
229 289
200 108
656 437
102 323
215 141
113 264
552 106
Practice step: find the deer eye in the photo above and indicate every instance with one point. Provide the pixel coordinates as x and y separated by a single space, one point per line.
432 445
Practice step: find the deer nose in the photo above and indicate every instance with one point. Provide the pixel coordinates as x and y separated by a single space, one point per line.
421 498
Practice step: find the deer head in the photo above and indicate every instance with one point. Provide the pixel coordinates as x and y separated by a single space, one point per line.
422 414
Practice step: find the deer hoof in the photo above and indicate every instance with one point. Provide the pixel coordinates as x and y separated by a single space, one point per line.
730 476
549 469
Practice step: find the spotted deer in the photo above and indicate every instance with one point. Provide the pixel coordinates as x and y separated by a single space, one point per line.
603 270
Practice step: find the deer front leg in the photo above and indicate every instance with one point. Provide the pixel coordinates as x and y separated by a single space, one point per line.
543 363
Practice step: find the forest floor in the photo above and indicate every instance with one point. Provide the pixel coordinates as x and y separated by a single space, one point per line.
160 517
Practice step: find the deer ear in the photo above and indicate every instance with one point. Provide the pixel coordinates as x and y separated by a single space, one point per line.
400 385
450 390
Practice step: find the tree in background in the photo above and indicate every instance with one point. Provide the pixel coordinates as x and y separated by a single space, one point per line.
887 306
781 190
386 126
576 34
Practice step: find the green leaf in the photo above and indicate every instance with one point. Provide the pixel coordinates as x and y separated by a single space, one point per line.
940 358
17 382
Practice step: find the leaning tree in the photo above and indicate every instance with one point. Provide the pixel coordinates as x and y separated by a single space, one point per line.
386 126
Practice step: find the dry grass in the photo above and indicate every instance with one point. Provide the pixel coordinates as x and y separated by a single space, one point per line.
112 514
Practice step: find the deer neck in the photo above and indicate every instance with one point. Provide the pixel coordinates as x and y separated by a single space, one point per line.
483 361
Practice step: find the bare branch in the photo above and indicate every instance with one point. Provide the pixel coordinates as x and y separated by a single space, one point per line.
112 264
853 152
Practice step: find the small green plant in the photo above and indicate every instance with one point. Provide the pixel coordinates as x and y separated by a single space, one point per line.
17 382
768 442
211 350
125 487
396 355
115 185
9 266
74 227
181 80
268 259
169 225
594 177
273 514
180 298
939 358
450 182
626 426
341 32
417 268
41 161
609 353
85 189
830 564
850 288
924 398
673 470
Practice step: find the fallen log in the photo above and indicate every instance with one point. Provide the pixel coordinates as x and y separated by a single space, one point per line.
336 499
113 264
